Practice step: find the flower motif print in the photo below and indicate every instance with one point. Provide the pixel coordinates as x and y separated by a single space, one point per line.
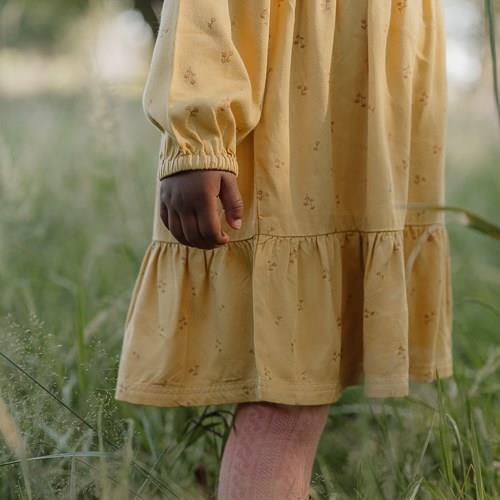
401 5
190 76
225 56
309 202
303 89
299 41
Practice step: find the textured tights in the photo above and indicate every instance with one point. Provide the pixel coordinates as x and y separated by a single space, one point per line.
270 451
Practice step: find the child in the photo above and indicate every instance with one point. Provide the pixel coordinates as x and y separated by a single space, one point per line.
316 124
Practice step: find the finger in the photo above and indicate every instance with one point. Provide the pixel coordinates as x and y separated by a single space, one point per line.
209 223
231 199
176 227
164 214
190 229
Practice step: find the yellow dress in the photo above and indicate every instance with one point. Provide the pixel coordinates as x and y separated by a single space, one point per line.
332 115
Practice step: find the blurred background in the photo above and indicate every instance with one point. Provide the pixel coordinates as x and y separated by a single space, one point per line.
77 173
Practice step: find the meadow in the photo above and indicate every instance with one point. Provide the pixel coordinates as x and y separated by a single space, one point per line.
77 176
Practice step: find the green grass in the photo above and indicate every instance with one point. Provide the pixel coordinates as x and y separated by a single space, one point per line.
76 187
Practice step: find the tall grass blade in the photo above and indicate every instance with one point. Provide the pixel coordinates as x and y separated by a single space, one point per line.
466 217
127 460
103 465
476 456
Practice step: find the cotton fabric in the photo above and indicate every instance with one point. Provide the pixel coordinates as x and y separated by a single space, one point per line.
332 115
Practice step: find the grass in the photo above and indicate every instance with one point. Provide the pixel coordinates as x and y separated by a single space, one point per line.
76 184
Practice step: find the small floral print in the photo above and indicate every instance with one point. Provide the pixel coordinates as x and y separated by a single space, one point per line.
300 305
299 41
417 178
162 286
309 202
190 76
194 370
303 89
211 22
271 265
225 56
260 195
362 100
367 313
437 148
316 145
424 97
401 5
278 163
193 110
364 24
428 317
218 345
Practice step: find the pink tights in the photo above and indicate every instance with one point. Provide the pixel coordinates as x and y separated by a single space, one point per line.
270 451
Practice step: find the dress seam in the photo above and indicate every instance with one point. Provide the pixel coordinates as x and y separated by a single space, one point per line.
285 236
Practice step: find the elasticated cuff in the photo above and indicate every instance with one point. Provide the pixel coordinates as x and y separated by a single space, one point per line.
183 160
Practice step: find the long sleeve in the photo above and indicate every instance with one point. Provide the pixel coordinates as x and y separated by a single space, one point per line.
206 81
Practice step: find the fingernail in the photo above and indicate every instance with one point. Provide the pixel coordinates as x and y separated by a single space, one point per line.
237 223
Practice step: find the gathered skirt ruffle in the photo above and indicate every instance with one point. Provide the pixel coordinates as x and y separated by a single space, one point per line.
289 319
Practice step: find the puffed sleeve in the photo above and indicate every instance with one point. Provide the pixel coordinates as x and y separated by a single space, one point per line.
206 81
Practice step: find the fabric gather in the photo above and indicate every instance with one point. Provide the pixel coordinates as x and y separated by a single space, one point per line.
291 319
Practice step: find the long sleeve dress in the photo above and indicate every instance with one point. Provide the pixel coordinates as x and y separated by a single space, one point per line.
332 115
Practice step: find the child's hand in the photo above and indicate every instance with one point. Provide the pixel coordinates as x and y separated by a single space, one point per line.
188 206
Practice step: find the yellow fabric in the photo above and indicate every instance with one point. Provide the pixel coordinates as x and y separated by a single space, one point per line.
332 114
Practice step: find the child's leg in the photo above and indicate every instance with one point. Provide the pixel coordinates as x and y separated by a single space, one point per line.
270 452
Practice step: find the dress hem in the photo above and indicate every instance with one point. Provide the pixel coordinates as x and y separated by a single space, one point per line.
255 390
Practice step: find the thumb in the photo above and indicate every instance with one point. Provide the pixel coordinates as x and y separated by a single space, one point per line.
231 199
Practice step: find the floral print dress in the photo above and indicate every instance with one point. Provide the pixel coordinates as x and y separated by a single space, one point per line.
332 115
